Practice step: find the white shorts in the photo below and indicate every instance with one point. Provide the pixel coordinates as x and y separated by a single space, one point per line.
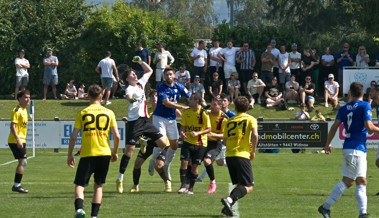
166 127
228 70
221 155
159 74
354 164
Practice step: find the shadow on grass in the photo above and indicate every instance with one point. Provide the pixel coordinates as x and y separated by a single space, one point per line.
182 215
75 103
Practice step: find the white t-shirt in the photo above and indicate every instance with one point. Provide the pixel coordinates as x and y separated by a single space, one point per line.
230 55
332 87
21 71
106 66
303 116
214 52
183 78
283 58
138 108
275 52
251 86
327 58
295 65
164 56
199 62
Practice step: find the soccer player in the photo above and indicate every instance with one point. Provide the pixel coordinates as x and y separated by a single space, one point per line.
138 121
194 128
225 105
240 138
17 137
356 117
95 122
164 116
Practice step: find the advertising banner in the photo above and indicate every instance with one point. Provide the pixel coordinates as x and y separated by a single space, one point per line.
364 76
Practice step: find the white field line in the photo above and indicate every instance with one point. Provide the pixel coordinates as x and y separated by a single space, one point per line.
12 161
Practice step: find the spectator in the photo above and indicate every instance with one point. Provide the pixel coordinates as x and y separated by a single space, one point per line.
197 87
344 59
268 63
275 52
377 61
22 76
50 73
307 93
183 76
255 88
215 63
273 93
246 59
70 92
215 85
315 68
368 91
145 55
228 56
331 91
295 58
302 114
362 58
318 117
284 63
306 64
81 92
292 90
163 59
234 86
107 69
327 66
200 60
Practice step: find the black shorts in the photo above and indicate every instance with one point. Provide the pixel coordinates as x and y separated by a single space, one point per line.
213 150
200 71
240 171
245 75
98 166
149 150
18 153
139 127
162 155
192 152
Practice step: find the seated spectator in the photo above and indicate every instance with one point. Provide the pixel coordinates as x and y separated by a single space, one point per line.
70 91
234 86
273 93
331 91
255 88
372 86
302 114
307 93
292 90
215 85
318 117
197 87
183 76
81 93
362 59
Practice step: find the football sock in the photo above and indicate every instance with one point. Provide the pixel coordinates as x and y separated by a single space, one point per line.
136 176
192 180
78 204
17 178
162 174
156 152
210 171
124 164
95 209
170 154
361 195
237 193
188 174
336 194
183 174
203 174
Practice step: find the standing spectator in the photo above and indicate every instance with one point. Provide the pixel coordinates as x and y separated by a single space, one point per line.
17 137
295 58
315 68
234 86
96 123
215 63
345 58
145 55
275 52
246 59
306 64
228 56
331 91
292 90
307 93
273 93
302 114
215 85
200 60
106 68
240 150
373 84
163 59
362 58
255 88
327 67
284 63
22 76
197 87
268 63
50 74
183 76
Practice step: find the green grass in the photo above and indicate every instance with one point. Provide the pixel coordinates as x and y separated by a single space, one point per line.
286 185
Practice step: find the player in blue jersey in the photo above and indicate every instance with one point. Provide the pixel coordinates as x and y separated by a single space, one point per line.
164 116
356 117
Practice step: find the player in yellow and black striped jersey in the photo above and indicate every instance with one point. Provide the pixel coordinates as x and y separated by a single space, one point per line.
194 128
95 122
240 138
17 137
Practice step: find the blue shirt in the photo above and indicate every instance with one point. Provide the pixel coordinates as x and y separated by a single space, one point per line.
144 54
345 61
353 116
172 94
50 70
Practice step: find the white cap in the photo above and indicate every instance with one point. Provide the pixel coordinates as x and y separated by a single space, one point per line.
330 76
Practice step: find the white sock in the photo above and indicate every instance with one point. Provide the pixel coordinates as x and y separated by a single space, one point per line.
360 193
170 154
156 152
202 175
230 200
16 184
120 176
336 194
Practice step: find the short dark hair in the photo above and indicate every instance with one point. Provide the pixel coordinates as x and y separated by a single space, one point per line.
223 96
241 104
138 44
152 92
126 74
22 93
108 53
168 69
356 89
94 91
197 96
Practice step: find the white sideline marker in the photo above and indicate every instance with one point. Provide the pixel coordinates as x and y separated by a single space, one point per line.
235 205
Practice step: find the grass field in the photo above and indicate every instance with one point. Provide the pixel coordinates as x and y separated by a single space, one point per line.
286 185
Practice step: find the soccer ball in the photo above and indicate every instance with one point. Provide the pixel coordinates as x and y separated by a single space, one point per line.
153 1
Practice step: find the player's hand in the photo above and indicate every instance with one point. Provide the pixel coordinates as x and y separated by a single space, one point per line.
185 107
183 135
328 149
114 157
137 59
194 134
20 145
71 161
252 155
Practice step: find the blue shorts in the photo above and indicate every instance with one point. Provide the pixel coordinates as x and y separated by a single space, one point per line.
50 80
309 98
22 80
107 82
